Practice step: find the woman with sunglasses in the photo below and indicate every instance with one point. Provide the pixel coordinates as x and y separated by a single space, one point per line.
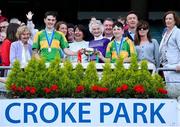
146 47
3 28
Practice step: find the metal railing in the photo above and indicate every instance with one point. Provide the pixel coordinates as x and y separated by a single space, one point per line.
158 70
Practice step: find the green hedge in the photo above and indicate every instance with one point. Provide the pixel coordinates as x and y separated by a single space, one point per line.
37 80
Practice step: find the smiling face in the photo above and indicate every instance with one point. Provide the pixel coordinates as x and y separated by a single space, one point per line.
143 32
132 21
96 30
71 31
70 34
170 21
63 29
143 28
50 21
24 37
117 31
23 34
108 27
78 35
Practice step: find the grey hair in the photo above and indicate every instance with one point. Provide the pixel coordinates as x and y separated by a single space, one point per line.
15 20
96 22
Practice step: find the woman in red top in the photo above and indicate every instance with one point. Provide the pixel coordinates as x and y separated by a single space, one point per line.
6 44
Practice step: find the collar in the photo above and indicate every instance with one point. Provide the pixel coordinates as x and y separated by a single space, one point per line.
98 38
49 30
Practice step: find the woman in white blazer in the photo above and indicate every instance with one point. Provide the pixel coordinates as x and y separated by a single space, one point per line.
170 53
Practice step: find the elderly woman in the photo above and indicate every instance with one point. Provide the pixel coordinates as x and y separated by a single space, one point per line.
99 43
21 50
170 53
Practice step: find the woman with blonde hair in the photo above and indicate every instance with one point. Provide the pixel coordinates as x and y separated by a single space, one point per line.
21 50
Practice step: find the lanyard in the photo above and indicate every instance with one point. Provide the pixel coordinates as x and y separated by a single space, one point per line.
49 39
119 48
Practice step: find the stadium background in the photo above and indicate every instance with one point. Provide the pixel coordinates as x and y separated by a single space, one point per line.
80 11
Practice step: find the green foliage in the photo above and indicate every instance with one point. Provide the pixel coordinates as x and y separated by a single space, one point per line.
144 65
35 72
78 74
39 80
134 63
91 76
118 75
157 82
107 79
15 76
51 73
67 79
119 64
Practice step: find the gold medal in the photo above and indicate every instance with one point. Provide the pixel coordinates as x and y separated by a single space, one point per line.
49 49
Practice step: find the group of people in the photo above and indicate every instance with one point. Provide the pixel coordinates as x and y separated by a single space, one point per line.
111 40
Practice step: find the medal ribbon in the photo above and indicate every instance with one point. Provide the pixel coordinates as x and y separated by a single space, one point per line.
49 39
118 48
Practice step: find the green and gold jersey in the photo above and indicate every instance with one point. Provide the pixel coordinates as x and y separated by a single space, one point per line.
41 43
125 51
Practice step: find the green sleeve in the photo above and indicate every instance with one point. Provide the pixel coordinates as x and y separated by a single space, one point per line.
36 42
63 42
108 51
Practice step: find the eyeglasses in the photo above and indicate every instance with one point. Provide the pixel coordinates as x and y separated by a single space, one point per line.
142 28
3 27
